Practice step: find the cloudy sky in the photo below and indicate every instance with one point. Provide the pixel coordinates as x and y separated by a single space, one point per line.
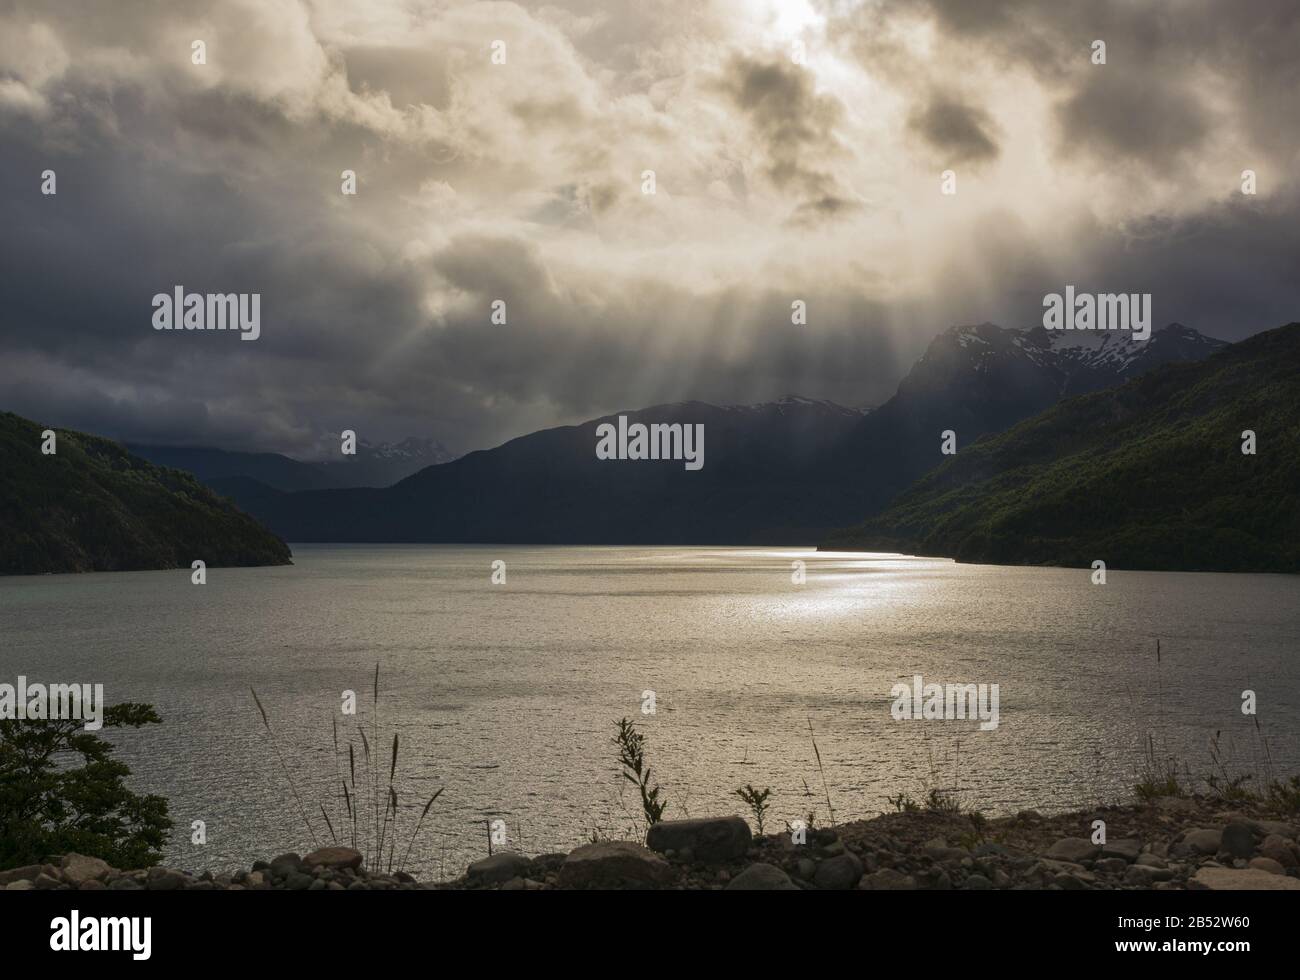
775 180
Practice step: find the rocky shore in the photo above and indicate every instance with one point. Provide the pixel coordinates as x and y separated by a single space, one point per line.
1172 843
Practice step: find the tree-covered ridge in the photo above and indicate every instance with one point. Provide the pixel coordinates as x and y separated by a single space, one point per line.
1148 475
92 506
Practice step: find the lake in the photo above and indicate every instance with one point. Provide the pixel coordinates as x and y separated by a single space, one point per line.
507 695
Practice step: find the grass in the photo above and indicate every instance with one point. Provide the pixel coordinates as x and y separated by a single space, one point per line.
376 838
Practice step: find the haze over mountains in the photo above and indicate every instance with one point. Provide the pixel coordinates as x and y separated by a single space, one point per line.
779 473
373 465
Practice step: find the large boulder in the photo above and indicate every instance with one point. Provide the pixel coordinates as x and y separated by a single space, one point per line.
498 868
1201 841
710 839
79 869
839 873
332 858
1238 840
614 864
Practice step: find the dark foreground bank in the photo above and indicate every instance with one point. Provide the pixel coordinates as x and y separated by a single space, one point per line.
1171 843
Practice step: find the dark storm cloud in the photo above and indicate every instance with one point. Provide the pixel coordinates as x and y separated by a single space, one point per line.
796 129
479 183
1166 63
1126 116
961 132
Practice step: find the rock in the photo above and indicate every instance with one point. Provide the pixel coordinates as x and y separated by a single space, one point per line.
1203 841
333 858
940 851
1250 879
614 864
297 881
839 873
1111 866
978 883
1001 879
1267 828
164 880
19 885
92 885
124 885
762 877
1279 849
1126 848
806 868
46 882
285 863
77 869
1073 849
1151 861
26 873
887 880
1267 864
498 868
1141 874
317 885
940 881
710 840
1238 840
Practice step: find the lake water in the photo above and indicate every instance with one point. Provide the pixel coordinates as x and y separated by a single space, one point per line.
507 695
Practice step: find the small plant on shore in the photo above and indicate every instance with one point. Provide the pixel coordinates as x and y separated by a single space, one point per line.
943 801
903 803
821 769
756 800
631 759
1227 787
978 832
370 810
1284 796
51 805
1159 776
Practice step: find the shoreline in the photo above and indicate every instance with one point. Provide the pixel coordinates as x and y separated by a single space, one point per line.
1169 843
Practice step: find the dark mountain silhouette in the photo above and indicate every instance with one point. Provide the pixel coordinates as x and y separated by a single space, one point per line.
379 465
780 473
1148 475
92 506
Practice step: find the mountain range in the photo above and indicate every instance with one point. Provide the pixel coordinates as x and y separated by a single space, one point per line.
785 472
227 472
1150 474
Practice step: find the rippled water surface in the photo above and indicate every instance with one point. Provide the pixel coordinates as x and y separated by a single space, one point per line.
507 695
